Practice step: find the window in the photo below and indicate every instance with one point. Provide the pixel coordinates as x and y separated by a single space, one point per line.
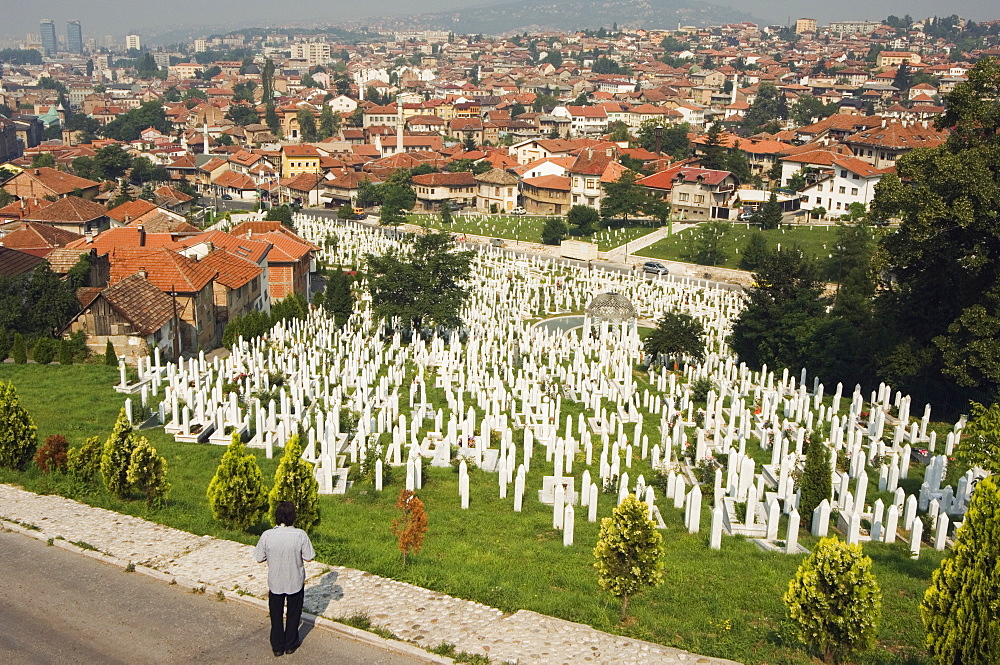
819 188
838 205
855 176
842 190
683 196
699 198
843 173
590 183
854 191
819 199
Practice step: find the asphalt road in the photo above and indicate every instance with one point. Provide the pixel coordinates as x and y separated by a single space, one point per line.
60 607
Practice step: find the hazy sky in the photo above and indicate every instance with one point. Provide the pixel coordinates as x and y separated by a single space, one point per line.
116 17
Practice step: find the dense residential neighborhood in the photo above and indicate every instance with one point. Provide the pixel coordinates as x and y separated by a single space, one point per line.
128 155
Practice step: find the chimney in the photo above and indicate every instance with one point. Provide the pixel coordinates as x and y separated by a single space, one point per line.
142 236
142 273
38 171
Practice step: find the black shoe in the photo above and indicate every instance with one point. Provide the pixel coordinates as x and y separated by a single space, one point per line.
292 649
279 652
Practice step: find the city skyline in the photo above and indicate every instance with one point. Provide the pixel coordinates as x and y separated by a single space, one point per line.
120 17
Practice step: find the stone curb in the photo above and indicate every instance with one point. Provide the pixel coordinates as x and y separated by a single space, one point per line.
349 632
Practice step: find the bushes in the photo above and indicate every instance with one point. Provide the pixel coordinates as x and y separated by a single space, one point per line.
835 600
554 231
84 462
18 434
19 352
147 472
110 357
294 481
629 552
236 493
53 456
961 610
411 525
116 456
44 351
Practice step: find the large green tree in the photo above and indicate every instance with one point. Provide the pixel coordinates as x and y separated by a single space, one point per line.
422 282
36 303
622 197
676 334
307 124
941 307
769 105
128 126
783 309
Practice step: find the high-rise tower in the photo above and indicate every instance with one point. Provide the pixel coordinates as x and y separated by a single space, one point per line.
48 27
74 37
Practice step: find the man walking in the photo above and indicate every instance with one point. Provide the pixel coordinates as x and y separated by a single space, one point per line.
285 548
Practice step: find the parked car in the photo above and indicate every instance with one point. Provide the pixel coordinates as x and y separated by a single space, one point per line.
655 268
746 215
360 213
227 197
519 211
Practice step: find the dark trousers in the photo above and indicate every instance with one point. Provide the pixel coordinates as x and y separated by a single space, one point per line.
285 634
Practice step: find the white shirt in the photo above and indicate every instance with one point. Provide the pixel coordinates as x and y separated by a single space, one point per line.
285 548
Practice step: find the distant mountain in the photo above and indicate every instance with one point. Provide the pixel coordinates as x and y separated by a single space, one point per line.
566 15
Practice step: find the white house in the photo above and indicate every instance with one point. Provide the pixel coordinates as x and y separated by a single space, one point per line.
834 181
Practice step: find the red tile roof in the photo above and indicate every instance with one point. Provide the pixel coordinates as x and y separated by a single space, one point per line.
166 269
232 271
141 303
130 210
33 235
57 181
561 183
460 179
14 262
247 248
71 209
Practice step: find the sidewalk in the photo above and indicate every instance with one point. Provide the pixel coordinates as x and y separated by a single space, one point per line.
418 616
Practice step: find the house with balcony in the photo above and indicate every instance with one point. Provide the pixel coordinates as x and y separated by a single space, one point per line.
694 193
497 190
546 195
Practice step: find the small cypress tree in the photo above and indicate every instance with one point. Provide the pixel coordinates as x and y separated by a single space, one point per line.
236 492
817 480
339 300
294 481
84 461
835 600
20 350
65 353
961 608
18 434
44 352
116 456
110 357
6 342
147 472
411 525
629 552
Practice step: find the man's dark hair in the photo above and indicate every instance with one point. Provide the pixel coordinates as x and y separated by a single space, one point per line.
285 513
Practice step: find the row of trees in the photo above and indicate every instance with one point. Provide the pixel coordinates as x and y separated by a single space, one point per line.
920 308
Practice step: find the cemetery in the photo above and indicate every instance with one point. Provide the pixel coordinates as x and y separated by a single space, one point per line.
528 228
519 436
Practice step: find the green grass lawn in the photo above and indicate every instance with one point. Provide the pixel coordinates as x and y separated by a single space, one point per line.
722 603
527 228
815 241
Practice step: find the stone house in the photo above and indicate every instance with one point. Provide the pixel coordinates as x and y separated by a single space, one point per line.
496 188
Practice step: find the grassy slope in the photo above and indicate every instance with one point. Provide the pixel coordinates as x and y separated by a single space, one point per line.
815 241
725 603
527 229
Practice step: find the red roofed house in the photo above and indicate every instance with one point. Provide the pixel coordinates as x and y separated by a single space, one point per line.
188 283
694 193
238 285
546 195
132 314
38 239
835 181
73 214
43 181
432 189
290 262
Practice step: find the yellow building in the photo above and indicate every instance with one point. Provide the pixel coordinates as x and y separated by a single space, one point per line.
296 159
805 25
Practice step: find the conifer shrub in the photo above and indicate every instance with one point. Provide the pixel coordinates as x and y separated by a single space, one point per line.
236 493
629 552
961 608
294 481
18 434
817 480
53 456
835 601
147 472
411 525
19 352
116 457
84 461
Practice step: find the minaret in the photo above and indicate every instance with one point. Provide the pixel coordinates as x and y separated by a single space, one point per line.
204 126
735 86
399 126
